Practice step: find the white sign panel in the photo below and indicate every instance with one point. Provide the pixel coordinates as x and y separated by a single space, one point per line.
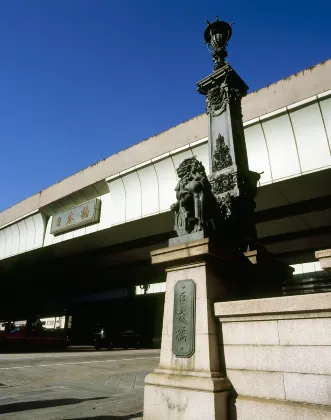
81 215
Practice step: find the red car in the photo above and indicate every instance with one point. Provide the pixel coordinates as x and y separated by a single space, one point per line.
23 339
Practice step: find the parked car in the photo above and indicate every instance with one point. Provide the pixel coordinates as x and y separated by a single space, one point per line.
125 339
23 339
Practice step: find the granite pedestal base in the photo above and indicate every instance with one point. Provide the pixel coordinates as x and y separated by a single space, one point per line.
169 396
191 388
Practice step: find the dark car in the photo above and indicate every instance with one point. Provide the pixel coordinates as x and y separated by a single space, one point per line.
125 339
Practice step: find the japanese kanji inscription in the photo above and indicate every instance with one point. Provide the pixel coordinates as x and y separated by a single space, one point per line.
183 337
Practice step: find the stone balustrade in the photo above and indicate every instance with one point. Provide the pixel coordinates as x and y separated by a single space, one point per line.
278 356
325 258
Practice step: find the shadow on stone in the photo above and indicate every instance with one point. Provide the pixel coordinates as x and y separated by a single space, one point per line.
232 409
34 405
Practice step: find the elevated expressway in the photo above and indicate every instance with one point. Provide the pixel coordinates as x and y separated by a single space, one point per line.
288 138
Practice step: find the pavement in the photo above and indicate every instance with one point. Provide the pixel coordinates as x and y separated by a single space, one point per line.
74 384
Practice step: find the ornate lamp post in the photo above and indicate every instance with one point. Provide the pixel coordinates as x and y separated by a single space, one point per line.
217 35
222 203
233 184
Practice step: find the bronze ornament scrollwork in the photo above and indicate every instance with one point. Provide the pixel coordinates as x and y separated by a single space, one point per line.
219 96
217 100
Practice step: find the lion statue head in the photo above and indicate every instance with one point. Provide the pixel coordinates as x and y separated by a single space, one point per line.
190 168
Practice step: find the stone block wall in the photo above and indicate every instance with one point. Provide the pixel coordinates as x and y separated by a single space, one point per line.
278 356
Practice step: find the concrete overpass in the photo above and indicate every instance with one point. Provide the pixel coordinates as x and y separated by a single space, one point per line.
288 138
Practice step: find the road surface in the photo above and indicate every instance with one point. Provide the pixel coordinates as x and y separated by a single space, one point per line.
74 384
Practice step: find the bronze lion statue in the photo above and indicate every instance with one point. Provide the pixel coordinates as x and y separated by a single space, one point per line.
196 205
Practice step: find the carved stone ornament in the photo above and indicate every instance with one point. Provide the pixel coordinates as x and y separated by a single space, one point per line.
222 183
226 204
195 201
221 156
227 185
218 98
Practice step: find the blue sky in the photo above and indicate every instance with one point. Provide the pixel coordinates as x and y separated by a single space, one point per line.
83 79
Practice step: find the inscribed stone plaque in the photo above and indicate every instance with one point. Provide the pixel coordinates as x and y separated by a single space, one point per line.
183 334
81 215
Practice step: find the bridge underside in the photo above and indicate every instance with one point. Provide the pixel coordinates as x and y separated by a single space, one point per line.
99 271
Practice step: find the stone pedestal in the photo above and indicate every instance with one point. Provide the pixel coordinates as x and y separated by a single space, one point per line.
193 387
325 259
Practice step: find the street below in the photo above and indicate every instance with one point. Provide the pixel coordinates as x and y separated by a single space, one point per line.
75 384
